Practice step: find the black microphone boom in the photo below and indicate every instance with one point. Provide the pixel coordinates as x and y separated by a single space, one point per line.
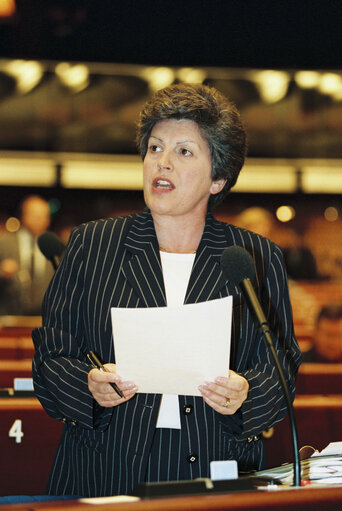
238 267
51 247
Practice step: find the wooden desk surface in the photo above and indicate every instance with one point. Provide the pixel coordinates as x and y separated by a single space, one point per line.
315 499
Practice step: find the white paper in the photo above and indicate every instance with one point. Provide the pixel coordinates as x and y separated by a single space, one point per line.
116 499
173 350
333 448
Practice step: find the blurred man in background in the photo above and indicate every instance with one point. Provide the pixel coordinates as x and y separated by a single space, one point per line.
327 342
24 272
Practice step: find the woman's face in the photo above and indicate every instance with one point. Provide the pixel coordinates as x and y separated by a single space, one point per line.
177 170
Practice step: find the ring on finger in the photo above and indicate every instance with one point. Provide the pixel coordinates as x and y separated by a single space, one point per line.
227 403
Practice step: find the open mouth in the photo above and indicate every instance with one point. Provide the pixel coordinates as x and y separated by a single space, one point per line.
162 184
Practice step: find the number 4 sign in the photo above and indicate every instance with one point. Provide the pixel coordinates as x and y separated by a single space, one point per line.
16 431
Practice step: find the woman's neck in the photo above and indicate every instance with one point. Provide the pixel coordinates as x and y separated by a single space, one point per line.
178 235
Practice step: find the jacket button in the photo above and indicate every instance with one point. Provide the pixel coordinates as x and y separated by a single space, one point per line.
187 409
192 458
254 438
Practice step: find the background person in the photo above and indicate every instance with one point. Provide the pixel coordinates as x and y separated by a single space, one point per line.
327 339
256 219
193 146
24 272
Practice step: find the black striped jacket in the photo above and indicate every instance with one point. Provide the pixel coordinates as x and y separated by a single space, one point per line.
115 262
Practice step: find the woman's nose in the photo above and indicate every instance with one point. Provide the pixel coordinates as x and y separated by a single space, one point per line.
165 162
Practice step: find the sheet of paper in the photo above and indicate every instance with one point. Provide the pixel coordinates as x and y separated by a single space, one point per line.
116 499
173 350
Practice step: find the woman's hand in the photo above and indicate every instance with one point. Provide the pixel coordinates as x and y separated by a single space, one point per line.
225 395
103 393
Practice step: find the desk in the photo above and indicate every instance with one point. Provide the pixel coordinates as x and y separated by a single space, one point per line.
26 460
327 499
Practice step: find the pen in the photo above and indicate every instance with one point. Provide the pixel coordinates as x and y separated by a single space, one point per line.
95 362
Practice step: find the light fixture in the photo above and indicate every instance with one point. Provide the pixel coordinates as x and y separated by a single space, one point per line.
7 8
191 75
285 213
122 173
28 74
330 83
307 79
322 178
272 85
331 214
259 176
158 77
27 171
73 76
12 224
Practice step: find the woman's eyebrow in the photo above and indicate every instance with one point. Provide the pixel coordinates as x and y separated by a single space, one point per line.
157 138
186 141
180 142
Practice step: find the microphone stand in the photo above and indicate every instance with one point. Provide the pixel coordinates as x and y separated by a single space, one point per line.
254 305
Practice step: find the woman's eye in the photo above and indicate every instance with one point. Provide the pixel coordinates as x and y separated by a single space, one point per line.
155 148
185 152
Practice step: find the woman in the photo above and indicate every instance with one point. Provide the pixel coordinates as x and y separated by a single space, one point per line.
193 147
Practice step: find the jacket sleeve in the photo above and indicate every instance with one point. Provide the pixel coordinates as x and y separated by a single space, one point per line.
265 404
60 368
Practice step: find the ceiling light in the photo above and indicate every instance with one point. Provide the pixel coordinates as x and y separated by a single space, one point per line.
285 213
7 8
28 74
256 178
158 77
123 173
330 83
272 85
307 79
191 75
331 214
322 178
27 172
74 77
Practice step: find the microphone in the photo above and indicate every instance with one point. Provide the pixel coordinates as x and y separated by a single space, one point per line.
238 268
51 247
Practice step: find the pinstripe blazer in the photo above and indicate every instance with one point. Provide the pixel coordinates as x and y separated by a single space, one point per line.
115 262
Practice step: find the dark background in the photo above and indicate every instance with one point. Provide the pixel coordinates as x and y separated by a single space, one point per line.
237 33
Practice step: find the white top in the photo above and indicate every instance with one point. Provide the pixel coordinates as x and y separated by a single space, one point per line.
176 270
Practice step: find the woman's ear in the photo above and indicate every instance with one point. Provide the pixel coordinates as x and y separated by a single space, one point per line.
217 186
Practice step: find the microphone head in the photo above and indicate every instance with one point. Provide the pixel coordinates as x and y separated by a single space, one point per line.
50 245
237 264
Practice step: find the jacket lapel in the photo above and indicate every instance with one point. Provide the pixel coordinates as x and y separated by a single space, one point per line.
207 279
143 270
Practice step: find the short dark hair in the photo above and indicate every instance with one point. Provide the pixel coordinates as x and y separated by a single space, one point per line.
332 311
217 118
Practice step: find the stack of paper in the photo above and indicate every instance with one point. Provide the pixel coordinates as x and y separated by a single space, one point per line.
321 468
